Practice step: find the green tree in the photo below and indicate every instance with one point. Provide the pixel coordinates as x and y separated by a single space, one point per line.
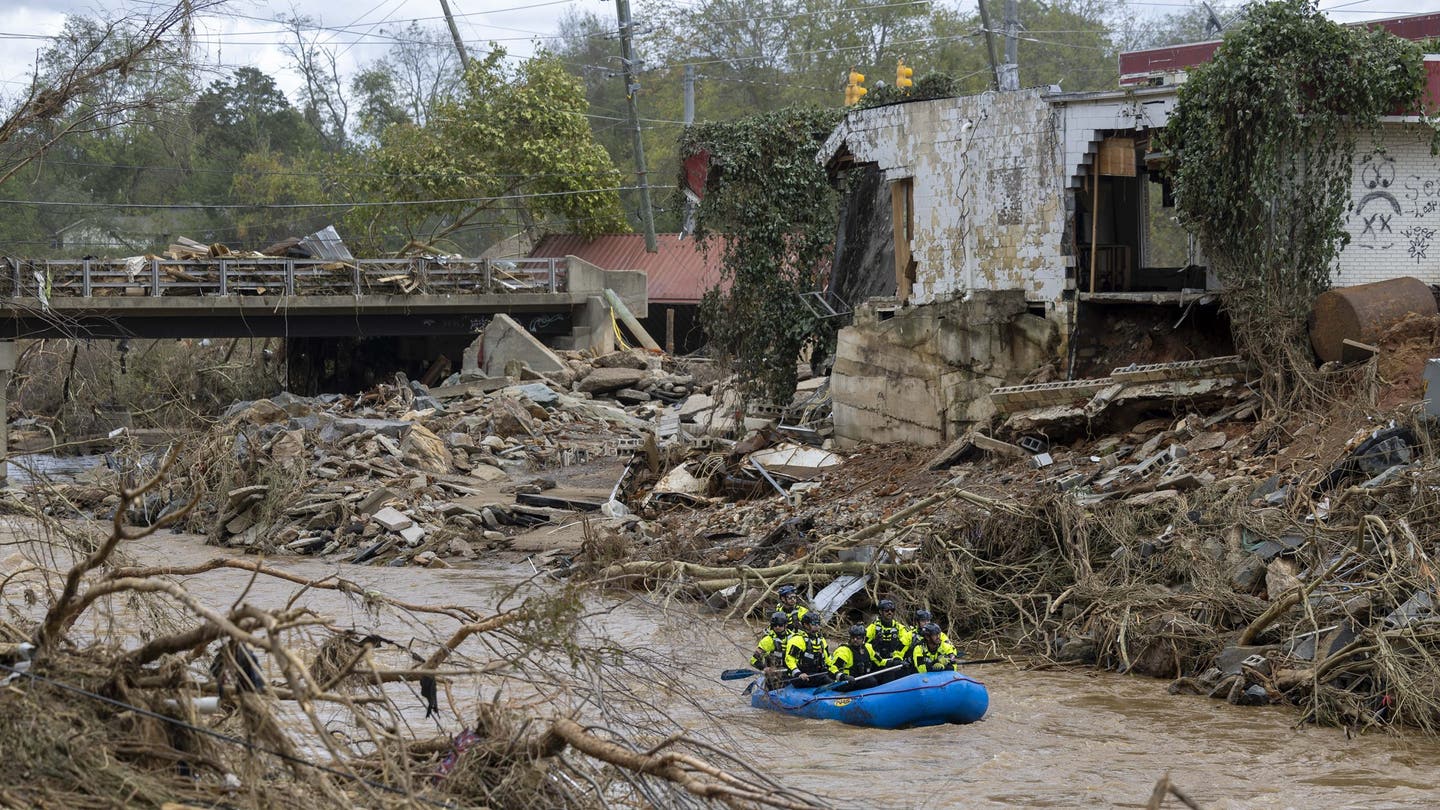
770 211
1264 157
512 148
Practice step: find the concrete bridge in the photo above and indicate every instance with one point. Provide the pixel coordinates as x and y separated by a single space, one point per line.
306 301
148 297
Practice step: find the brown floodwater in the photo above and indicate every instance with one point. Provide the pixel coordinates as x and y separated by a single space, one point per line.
1051 739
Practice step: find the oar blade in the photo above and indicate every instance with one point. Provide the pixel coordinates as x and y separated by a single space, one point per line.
737 674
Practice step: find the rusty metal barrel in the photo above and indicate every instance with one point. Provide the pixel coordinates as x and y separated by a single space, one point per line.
1364 312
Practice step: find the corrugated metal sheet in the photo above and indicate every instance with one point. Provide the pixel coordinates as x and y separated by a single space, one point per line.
679 273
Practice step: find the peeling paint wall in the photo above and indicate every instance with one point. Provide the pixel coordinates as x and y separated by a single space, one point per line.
988 207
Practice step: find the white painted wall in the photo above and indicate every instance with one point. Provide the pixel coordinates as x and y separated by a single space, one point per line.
1394 222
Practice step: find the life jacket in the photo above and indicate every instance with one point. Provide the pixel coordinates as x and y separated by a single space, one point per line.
859 660
925 657
796 614
775 655
887 638
816 655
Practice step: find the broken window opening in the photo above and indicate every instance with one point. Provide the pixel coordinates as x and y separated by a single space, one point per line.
902 217
1128 240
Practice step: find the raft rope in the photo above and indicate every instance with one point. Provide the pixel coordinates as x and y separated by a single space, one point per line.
227 738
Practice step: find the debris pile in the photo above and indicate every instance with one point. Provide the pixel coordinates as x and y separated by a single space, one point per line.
1255 559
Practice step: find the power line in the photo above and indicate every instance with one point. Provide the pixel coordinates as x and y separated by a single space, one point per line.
296 206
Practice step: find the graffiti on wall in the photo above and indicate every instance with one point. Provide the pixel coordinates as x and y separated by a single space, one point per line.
1383 219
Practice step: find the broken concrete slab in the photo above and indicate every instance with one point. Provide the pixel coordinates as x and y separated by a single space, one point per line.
392 519
605 380
954 453
991 445
349 426
472 388
695 405
538 393
412 535
505 340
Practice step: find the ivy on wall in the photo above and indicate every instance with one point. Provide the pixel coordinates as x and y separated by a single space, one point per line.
1264 138
770 210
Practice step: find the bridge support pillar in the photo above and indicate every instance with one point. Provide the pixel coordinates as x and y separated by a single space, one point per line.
7 367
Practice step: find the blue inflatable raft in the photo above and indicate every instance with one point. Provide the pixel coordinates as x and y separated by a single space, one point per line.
922 699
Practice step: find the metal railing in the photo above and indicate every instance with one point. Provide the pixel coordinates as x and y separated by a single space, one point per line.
232 275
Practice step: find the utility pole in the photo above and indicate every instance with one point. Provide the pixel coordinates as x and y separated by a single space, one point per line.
1009 77
687 227
990 45
632 87
455 35
689 95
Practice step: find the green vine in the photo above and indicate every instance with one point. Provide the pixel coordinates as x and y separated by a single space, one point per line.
1264 140
931 85
770 210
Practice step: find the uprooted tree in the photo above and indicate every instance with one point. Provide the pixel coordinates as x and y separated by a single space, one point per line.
1264 138
770 212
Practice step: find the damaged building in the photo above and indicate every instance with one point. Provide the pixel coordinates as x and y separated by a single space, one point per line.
1027 237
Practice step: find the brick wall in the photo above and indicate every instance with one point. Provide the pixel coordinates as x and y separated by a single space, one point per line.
1394 224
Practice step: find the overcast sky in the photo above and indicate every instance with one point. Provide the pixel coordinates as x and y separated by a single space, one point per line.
244 31
246 34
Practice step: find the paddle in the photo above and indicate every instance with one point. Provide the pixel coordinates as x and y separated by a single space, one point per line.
737 674
866 676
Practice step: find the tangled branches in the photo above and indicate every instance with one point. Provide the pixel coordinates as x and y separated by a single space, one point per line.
235 702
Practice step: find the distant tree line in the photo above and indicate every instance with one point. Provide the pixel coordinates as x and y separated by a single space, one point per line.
413 152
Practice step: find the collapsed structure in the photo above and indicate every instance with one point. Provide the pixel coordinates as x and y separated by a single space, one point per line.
989 236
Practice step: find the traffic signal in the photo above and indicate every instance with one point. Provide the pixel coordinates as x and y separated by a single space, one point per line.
903 74
854 88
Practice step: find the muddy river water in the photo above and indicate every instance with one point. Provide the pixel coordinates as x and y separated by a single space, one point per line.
1051 739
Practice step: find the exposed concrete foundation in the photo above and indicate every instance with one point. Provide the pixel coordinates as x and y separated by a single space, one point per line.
924 374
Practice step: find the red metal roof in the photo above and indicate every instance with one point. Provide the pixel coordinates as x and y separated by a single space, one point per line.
1137 67
679 273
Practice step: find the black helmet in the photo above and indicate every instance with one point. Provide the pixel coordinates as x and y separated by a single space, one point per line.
809 618
922 615
786 590
778 618
887 604
930 629
857 629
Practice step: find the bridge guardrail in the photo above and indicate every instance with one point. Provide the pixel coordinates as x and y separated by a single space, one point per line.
236 275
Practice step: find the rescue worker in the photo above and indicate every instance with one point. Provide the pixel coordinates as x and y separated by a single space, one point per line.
770 650
887 638
791 607
933 652
807 654
922 618
851 660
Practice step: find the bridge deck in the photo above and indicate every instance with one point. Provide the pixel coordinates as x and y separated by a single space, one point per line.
150 297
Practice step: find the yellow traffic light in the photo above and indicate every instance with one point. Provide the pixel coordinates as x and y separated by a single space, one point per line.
854 88
903 74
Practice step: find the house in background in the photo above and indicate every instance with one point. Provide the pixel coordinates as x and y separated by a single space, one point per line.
989 236
678 275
